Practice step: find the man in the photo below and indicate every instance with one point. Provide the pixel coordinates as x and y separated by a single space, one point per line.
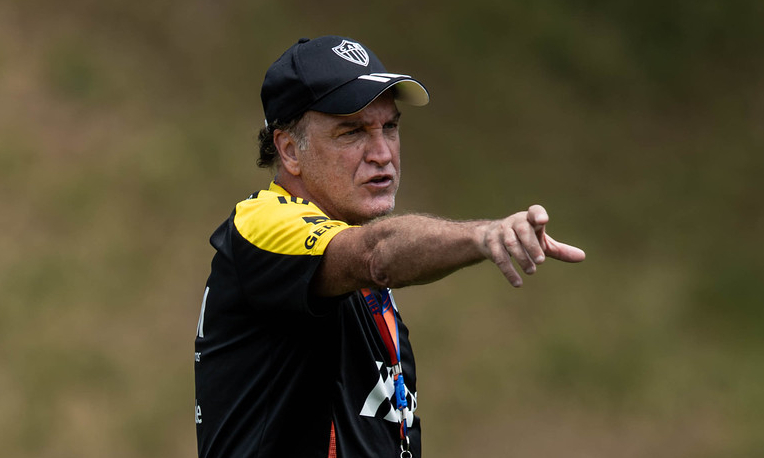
300 349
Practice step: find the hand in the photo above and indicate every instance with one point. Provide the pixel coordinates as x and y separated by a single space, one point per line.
523 236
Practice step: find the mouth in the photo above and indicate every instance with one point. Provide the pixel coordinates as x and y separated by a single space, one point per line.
380 181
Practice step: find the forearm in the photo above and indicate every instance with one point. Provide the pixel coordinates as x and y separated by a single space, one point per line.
415 249
395 252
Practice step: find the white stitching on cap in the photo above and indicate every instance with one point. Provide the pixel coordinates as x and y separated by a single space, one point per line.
391 75
378 79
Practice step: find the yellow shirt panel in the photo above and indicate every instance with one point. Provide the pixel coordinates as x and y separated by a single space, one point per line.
277 222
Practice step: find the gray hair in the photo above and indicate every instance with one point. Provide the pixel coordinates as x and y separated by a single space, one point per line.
269 155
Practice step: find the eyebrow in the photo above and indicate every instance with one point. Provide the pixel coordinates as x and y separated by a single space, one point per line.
359 122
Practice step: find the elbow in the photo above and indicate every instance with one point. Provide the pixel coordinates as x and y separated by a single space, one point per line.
382 272
383 264
379 272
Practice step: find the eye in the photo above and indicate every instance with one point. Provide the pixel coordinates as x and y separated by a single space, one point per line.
391 125
353 132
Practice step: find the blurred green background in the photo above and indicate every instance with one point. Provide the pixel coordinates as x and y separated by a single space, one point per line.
127 134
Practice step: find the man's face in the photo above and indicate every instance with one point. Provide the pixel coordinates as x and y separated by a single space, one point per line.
351 168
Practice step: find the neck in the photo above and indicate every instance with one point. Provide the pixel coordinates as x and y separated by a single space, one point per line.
295 186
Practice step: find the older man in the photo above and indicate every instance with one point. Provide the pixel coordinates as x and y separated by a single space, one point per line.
300 349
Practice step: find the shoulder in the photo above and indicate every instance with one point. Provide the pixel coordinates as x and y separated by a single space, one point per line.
285 224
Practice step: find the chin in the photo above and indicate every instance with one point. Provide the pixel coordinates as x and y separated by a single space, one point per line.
374 210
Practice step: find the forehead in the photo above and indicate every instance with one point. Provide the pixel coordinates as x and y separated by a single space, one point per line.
381 110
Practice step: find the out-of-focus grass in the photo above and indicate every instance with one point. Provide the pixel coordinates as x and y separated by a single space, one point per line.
127 134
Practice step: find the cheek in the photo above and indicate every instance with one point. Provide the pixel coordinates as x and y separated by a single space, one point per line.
338 176
396 149
349 167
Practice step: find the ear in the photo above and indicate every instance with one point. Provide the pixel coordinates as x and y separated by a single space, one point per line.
287 148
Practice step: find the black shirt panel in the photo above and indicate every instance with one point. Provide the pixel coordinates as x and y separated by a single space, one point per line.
272 375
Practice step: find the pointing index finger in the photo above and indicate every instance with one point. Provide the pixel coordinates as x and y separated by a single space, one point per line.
563 251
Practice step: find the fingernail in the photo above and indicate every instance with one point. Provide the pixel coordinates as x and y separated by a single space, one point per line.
540 259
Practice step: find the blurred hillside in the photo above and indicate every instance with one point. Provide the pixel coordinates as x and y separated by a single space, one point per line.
127 134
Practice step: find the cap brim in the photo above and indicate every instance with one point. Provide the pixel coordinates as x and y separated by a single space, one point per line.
357 94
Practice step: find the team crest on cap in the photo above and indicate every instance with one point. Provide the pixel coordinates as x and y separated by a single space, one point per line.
352 52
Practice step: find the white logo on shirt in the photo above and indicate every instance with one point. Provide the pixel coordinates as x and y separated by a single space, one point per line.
383 393
200 324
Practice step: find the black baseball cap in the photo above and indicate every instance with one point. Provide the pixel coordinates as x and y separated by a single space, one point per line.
334 75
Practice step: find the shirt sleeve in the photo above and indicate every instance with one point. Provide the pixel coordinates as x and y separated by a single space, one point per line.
278 244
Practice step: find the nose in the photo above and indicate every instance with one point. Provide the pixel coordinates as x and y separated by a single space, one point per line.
379 149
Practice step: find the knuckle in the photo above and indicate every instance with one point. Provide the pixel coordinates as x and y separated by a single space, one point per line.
511 242
498 255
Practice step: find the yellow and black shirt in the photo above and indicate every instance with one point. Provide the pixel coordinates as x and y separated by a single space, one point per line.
280 373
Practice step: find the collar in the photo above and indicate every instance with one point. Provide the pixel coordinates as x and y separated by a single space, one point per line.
278 189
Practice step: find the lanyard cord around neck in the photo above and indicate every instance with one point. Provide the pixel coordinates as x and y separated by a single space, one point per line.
384 317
